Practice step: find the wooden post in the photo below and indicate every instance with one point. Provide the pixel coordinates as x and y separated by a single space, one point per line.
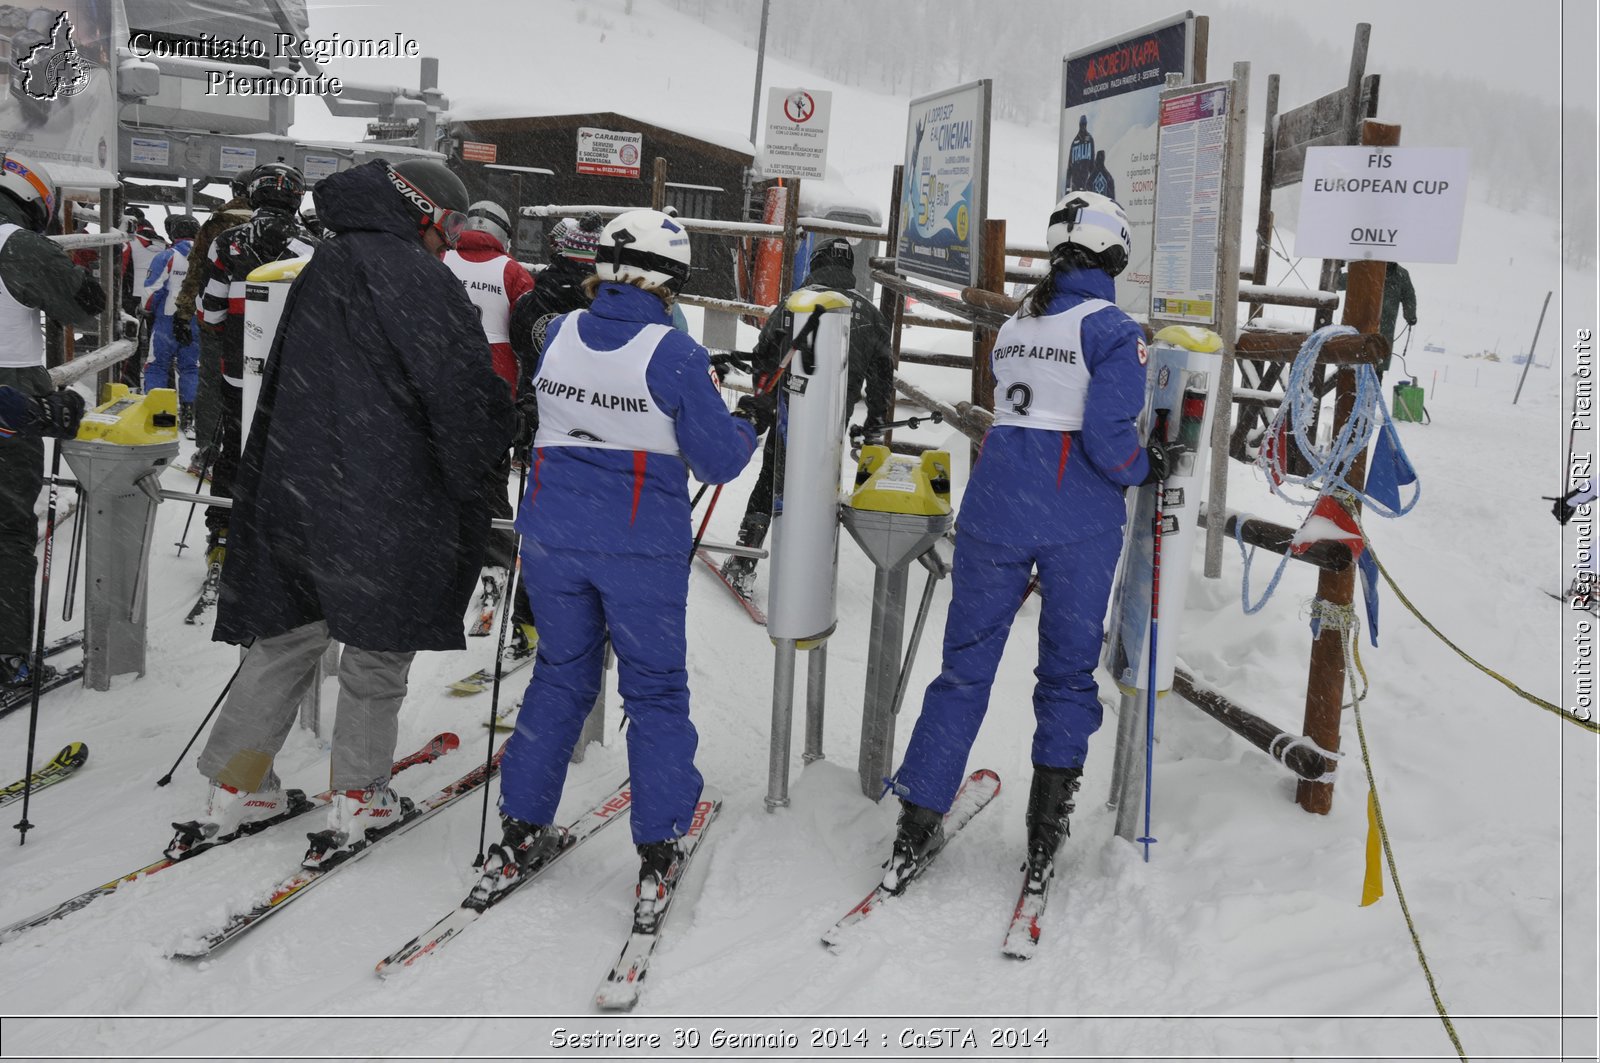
791 221
890 302
991 278
1263 256
658 184
1325 679
1227 314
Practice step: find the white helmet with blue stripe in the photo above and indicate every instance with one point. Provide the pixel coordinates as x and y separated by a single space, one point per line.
645 246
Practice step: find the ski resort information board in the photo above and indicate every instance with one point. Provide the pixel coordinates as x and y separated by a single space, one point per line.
944 196
1389 204
1110 105
797 134
60 105
1193 151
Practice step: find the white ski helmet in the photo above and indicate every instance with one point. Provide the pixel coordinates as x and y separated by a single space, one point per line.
30 185
644 245
487 216
1093 222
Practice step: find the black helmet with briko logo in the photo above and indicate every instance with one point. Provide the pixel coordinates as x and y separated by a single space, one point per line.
435 194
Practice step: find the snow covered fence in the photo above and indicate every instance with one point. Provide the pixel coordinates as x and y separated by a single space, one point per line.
96 360
77 241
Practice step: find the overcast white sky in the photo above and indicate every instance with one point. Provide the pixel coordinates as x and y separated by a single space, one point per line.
1513 46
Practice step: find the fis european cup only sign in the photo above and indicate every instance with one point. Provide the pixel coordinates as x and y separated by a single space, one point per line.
1388 204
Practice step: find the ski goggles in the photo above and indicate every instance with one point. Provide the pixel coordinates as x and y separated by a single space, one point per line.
451 224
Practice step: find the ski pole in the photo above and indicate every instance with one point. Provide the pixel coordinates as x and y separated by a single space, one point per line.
37 674
499 664
706 520
205 468
1155 619
215 705
694 503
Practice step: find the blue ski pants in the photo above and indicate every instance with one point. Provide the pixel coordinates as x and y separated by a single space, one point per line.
987 587
165 351
578 597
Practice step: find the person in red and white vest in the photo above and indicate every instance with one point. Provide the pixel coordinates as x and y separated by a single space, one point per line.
494 281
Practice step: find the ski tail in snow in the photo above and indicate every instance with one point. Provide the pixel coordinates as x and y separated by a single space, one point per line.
623 984
1022 936
494 583
209 591
606 811
975 794
60 767
483 679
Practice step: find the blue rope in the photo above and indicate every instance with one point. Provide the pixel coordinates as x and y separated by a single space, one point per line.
1328 469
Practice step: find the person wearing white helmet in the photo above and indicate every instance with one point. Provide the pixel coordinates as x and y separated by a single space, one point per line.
1069 371
36 276
627 409
494 281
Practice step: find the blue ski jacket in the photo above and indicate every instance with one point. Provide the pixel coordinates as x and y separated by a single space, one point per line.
634 502
1036 487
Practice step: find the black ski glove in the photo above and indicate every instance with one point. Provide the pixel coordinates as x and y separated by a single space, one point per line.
1564 509
527 413
761 411
183 330
730 360
1163 460
90 296
58 414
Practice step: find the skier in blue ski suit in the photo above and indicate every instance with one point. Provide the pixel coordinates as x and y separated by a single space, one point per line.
1045 494
627 408
164 281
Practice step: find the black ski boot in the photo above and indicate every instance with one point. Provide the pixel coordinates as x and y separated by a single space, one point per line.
522 847
740 572
1049 805
917 839
658 877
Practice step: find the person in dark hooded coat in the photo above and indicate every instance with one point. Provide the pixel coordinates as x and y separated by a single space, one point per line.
359 514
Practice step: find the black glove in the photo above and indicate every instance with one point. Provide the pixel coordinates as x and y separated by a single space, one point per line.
872 429
730 360
59 413
90 296
527 412
1163 460
760 410
183 330
130 305
1564 509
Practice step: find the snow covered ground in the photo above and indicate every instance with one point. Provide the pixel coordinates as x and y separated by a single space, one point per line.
1240 938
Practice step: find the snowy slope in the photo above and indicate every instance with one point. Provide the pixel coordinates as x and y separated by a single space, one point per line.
1242 936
